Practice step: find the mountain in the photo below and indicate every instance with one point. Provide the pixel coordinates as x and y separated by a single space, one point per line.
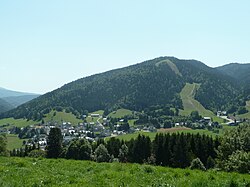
9 93
4 106
239 72
11 99
19 100
154 82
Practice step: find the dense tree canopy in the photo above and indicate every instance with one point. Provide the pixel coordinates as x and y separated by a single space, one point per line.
234 151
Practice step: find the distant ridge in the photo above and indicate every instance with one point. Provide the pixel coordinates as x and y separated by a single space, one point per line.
240 72
10 93
10 99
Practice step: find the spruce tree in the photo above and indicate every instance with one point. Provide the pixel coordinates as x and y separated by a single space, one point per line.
54 147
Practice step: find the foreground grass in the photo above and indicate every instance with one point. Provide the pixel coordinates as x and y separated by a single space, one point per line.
60 172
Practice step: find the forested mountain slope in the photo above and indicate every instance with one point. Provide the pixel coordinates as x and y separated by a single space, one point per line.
241 73
154 82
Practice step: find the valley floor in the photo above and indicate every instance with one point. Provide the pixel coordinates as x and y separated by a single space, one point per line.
60 172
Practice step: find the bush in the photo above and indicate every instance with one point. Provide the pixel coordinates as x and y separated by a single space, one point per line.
197 164
234 151
37 154
239 162
3 146
101 154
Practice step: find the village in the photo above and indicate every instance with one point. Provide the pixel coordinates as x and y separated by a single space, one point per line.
101 127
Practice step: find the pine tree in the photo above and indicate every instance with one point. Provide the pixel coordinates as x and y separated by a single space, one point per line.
113 145
166 151
158 149
85 151
54 147
123 153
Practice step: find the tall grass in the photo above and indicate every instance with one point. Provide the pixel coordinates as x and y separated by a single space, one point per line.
60 172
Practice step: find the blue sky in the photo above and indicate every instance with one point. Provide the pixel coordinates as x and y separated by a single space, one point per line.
45 44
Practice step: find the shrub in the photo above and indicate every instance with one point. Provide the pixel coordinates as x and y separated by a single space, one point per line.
197 164
3 146
101 154
37 154
239 162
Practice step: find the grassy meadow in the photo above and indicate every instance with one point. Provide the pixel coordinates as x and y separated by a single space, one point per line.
120 113
246 115
59 172
61 116
190 104
16 122
14 142
152 135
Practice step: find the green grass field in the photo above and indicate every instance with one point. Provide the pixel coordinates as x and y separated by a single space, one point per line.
247 115
127 137
16 122
62 116
120 113
171 65
59 172
190 104
14 142
172 130
98 112
94 119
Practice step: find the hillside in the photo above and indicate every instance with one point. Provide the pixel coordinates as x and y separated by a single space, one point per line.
154 82
10 93
239 72
11 99
5 106
50 172
15 101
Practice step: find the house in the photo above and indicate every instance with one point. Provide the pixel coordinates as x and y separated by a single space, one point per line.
207 119
95 115
221 113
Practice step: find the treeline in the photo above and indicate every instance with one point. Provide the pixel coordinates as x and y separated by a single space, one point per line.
230 153
173 150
